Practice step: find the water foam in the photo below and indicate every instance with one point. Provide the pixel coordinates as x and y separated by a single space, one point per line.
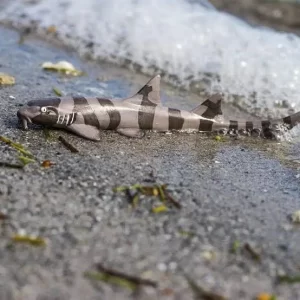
184 39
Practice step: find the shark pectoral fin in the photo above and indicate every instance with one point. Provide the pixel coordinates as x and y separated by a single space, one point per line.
86 131
210 108
131 132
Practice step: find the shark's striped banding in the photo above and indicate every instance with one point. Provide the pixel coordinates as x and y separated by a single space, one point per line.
143 111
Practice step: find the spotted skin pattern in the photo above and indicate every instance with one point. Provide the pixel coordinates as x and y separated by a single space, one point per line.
143 111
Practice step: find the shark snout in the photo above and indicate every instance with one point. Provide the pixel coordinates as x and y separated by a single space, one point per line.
26 114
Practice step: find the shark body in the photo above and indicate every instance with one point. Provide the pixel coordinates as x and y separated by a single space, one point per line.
86 117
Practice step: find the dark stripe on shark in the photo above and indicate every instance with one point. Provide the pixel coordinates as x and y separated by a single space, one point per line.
45 102
265 124
113 113
233 125
205 125
81 105
147 110
287 120
249 126
175 119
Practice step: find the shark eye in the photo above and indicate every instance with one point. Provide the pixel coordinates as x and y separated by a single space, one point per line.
43 109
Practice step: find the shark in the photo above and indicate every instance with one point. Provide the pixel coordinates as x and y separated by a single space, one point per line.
143 111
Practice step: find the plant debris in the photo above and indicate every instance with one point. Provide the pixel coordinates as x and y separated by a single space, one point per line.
159 209
47 163
201 293
296 217
47 133
25 160
154 190
20 148
63 67
253 253
3 216
186 233
51 29
68 145
265 296
10 165
6 79
25 156
57 92
118 278
288 279
27 239
235 247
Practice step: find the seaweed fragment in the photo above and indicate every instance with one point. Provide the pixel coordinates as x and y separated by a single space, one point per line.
6 79
201 293
235 247
47 133
25 160
159 209
253 253
119 278
27 239
156 190
20 148
57 92
62 67
25 156
288 279
68 145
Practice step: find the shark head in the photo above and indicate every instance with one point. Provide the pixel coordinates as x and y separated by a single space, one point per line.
44 112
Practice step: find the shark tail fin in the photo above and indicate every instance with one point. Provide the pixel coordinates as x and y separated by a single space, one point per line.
210 108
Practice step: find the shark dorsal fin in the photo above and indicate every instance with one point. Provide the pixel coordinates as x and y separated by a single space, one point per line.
150 92
210 108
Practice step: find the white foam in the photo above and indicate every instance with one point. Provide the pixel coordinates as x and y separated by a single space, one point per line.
179 37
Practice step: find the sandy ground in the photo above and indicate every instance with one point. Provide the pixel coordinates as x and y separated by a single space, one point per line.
236 190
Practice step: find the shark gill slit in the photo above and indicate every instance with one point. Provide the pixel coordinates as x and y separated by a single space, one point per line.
82 105
113 113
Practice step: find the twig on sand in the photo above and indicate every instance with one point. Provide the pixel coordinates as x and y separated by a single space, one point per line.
68 145
10 165
134 279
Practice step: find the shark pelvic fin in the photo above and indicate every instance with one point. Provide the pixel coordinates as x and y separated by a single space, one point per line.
131 132
149 92
210 108
86 131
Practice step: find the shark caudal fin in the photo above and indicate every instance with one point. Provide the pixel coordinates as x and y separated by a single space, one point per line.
210 108
149 93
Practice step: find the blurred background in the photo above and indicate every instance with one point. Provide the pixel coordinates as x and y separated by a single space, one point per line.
247 49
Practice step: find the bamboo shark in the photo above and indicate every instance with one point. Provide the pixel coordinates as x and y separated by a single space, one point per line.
143 111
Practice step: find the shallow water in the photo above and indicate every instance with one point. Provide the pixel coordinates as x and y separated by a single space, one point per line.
188 41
